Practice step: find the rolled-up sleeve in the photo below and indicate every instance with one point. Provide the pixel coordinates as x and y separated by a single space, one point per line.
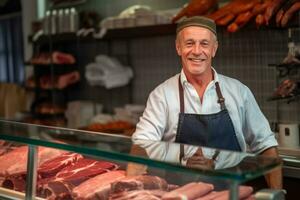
257 130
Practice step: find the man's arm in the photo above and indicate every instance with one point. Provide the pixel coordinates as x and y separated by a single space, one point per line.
274 178
259 136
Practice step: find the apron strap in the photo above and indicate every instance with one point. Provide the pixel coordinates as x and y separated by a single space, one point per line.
221 99
181 98
181 153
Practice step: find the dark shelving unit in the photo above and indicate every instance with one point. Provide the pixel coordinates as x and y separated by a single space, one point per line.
288 99
28 63
285 69
121 33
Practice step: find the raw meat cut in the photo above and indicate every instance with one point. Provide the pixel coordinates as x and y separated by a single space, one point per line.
65 80
5 147
51 167
53 58
59 81
97 187
244 192
62 58
17 156
16 183
189 191
60 186
84 169
138 195
142 182
15 161
14 165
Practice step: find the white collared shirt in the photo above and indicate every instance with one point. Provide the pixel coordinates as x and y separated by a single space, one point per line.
160 118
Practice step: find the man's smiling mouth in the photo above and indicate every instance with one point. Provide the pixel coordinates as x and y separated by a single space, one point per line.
197 59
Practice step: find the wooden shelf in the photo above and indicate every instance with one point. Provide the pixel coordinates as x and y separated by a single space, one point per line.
133 32
283 65
48 65
144 31
286 69
46 90
47 116
67 4
289 98
121 33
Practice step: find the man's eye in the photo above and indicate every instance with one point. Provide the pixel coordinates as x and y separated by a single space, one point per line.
189 44
204 43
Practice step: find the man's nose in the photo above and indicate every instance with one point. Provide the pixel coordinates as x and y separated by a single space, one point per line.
197 49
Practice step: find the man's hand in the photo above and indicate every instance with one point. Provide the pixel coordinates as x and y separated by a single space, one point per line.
134 169
274 178
199 161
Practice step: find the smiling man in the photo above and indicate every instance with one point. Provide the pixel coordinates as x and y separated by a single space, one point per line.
201 107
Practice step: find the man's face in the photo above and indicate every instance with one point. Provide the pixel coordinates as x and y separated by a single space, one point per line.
196 46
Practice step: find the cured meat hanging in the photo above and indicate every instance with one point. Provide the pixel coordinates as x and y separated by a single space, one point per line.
238 13
196 7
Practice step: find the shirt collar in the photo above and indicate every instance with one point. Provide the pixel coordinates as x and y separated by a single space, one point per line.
184 81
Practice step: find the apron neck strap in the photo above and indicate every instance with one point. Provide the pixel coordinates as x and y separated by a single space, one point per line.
221 99
181 99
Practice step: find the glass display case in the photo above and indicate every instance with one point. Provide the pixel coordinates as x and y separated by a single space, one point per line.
217 171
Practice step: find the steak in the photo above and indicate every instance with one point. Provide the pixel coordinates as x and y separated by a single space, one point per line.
138 195
16 183
17 156
142 182
189 191
14 165
61 185
5 147
15 161
97 187
244 193
51 167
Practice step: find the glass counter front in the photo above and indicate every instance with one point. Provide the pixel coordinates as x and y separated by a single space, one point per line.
223 169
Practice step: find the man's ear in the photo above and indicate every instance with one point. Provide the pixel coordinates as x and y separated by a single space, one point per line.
178 49
215 49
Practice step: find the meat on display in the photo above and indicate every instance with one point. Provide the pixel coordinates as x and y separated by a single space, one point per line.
15 161
138 194
97 187
61 185
48 167
5 147
51 167
245 192
71 176
142 182
189 191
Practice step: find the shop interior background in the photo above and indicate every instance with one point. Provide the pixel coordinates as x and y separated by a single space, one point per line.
244 55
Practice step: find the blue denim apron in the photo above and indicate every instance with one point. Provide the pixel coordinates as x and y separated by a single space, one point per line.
211 130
